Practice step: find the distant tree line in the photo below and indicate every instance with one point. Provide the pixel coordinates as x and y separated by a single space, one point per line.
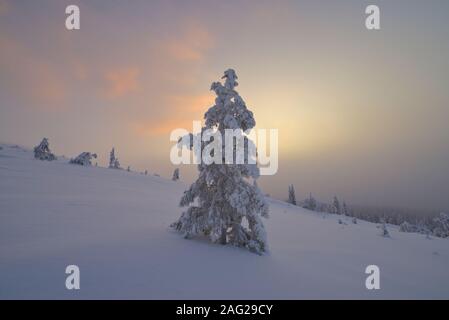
409 220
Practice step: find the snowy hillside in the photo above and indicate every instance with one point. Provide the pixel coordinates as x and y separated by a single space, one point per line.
113 224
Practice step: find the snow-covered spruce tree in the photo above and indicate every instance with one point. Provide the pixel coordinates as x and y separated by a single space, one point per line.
336 206
84 159
42 151
175 175
310 203
344 209
441 225
128 169
291 195
384 229
223 197
406 227
113 161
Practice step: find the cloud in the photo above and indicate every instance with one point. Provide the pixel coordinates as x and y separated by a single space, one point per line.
192 45
191 103
154 73
29 77
179 69
4 7
80 70
121 82
48 88
184 110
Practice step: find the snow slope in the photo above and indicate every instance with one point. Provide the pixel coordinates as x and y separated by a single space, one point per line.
114 225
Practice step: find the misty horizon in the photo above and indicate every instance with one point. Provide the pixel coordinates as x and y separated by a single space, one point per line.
361 115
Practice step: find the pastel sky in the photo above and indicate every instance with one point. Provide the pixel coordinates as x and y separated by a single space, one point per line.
361 114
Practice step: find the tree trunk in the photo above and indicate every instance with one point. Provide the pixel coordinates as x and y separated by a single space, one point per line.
223 236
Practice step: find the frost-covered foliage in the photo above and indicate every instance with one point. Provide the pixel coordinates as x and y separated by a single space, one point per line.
222 203
354 220
128 169
175 175
84 159
344 209
336 206
113 161
407 227
384 230
291 195
146 172
42 151
441 225
310 203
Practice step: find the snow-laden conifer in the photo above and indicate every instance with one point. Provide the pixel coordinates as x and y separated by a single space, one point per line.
441 225
336 206
42 151
406 227
222 203
310 203
175 176
84 159
113 161
344 209
384 229
291 195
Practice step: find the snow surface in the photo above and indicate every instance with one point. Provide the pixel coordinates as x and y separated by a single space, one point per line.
113 224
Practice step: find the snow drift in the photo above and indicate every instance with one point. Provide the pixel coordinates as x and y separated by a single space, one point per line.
114 225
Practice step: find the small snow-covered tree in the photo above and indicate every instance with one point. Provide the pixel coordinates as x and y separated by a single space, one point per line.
354 220
384 229
128 169
175 176
406 227
336 206
113 161
310 203
84 159
146 172
441 225
42 151
344 209
291 195
223 203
